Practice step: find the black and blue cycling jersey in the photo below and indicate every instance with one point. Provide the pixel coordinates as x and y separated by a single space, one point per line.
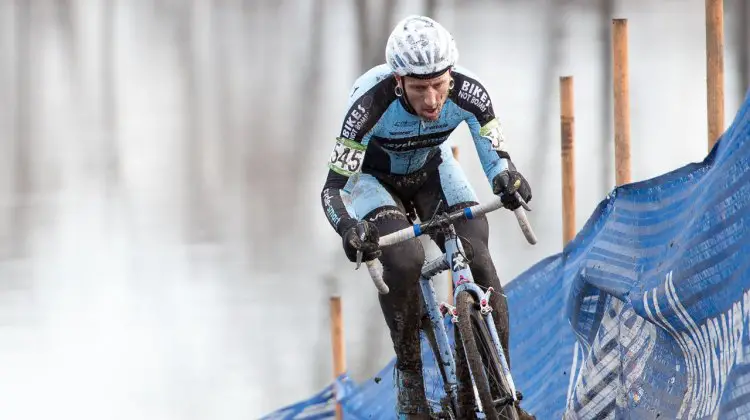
382 138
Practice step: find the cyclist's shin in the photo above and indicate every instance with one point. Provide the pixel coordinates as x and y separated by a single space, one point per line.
411 396
402 310
402 306
403 316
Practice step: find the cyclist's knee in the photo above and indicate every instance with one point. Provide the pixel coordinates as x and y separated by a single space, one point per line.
474 234
402 263
477 230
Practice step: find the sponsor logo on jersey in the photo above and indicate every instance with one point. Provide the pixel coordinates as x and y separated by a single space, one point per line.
330 211
418 143
426 128
401 124
475 95
436 126
354 120
366 101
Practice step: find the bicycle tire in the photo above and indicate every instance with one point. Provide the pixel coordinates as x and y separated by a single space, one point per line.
482 359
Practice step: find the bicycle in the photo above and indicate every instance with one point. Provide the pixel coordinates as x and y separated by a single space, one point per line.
494 391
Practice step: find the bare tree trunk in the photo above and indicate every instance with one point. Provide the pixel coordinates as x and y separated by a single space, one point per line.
555 36
261 134
378 49
22 177
65 12
198 206
7 56
363 26
193 122
109 105
225 101
431 8
248 119
310 83
371 46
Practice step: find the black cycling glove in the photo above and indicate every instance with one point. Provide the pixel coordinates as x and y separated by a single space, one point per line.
363 237
506 183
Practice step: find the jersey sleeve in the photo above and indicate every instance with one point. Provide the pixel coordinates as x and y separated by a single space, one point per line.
486 131
368 101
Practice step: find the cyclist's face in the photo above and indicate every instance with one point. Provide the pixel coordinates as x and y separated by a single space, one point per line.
427 96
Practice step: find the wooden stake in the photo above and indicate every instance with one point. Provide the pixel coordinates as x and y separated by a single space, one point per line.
622 100
337 343
715 69
567 134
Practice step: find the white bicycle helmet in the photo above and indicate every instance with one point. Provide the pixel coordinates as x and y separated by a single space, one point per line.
420 47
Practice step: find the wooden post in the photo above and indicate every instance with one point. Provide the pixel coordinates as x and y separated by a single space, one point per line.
715 69
337 343
622 100
567 134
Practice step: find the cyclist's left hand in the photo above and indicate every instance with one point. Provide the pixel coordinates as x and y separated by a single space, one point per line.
362 237
506 183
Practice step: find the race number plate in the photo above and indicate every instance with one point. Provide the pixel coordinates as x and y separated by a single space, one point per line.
347 157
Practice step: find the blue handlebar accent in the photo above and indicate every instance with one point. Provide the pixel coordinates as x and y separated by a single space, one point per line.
468 213
417 230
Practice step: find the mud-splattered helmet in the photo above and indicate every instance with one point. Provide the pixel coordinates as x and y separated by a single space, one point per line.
420 47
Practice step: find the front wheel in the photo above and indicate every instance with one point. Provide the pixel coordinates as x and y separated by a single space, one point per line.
483 360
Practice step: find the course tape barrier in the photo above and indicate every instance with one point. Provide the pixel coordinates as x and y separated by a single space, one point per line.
644 315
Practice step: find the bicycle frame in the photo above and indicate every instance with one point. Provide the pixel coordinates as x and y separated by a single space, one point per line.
454 259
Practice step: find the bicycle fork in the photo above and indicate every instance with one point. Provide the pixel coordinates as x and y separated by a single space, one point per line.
503 361
453 260
463 280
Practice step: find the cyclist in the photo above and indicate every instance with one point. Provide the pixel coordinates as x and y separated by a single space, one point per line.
392 161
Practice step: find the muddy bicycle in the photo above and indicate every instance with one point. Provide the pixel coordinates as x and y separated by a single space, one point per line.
494 390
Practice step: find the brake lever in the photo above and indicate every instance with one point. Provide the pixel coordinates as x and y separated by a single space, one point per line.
361 234
523 203
437 209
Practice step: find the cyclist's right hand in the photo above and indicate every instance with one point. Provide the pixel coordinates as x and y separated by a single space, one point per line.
506 184
363 237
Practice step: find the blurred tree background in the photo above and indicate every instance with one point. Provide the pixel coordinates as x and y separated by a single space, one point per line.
163 253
